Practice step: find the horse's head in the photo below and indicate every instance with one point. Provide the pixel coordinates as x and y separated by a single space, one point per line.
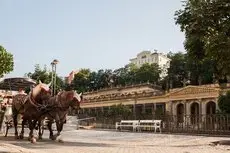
73 99
44 87
41 88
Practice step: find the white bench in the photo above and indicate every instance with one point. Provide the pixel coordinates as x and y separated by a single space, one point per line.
127 123
137 125
154 124
143 124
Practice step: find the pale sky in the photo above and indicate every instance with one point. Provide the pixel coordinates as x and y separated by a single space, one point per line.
91 34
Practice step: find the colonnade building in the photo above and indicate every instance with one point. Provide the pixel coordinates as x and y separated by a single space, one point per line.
149 99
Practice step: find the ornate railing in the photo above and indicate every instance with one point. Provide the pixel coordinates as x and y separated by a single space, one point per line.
196 124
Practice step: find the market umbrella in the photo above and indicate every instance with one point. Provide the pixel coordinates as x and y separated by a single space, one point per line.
16 83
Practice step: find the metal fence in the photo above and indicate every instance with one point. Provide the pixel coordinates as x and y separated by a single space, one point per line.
195 124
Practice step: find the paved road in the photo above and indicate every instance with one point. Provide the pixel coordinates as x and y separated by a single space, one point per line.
92 141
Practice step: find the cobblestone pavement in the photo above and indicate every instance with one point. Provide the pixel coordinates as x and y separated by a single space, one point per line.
94 141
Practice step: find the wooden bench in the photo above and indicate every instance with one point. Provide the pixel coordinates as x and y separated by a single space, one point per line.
127 123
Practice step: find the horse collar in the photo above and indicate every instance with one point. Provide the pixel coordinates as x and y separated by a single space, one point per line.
32 98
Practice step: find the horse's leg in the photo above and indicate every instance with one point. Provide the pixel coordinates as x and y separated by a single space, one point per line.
59 129
39 129
49 125
21 136
15 115
31 127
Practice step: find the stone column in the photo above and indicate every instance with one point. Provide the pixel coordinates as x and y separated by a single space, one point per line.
201 108
173 108
168 107
216 101
202 112
186 106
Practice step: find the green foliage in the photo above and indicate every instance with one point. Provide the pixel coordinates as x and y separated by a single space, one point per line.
207 30
148 73
177 70
183 68
81 80
40 74
6 61
85 80
45 76
119 110
224 102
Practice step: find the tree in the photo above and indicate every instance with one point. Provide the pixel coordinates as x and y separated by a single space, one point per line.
6 61
177 71
148 73
39 74
81 80
207 31
45 76
121 76
224 102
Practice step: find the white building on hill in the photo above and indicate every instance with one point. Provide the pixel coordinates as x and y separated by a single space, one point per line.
148 57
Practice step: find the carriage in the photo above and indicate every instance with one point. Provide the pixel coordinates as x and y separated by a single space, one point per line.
12 85
39 108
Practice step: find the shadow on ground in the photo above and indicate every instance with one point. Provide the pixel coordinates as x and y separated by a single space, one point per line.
48 144
222 142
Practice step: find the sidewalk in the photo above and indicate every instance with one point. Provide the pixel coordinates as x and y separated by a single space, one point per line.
9 148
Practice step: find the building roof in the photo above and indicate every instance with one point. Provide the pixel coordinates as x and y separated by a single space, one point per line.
16 83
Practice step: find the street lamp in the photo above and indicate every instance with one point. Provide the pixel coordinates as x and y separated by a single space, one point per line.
54 76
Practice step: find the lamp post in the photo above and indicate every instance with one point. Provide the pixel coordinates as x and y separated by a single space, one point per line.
54 76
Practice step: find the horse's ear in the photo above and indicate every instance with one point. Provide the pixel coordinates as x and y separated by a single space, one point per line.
40 82
49 84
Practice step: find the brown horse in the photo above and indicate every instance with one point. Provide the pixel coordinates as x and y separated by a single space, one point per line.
60 106
26 105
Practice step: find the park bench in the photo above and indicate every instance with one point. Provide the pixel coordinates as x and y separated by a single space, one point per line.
138 125
127 123
150 125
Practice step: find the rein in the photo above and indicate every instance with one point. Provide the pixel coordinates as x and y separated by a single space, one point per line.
32 101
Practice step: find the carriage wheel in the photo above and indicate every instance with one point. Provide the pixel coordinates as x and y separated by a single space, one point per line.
5 127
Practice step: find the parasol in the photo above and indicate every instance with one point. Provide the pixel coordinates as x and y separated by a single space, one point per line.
16 83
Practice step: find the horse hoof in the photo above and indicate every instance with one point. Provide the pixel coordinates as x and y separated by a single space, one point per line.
33 140
52 138
61 141
58 137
